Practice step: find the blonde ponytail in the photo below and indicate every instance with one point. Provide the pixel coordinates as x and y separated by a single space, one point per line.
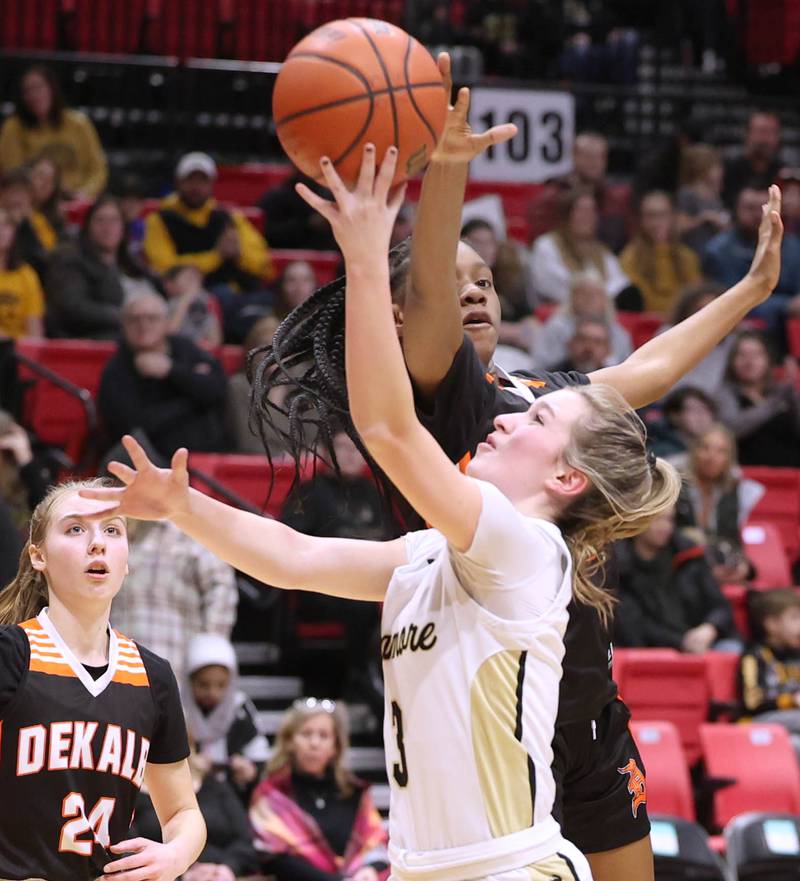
26 595
629 487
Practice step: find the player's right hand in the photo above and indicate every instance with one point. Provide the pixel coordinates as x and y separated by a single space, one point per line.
458 143
766 266
149 493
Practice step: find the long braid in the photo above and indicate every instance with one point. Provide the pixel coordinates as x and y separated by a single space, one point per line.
306 358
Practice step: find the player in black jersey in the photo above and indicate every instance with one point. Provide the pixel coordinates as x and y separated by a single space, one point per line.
459 394
86 715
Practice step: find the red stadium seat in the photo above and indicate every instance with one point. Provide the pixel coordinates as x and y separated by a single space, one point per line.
722 674
764 549
231 357
664 685
248 476
760 760
780 504
246 184
642 326
669 787
326 264
56 417
736 595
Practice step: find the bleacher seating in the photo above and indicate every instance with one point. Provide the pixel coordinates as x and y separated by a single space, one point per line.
669 787
765 550
664 685
780 504
722 674
736 595
761 763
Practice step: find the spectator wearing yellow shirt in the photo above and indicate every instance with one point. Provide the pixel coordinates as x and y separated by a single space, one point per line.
21 300
191 228
42 125
655 260
35 238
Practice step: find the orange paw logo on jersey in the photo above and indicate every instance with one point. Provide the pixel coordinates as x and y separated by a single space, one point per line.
637 785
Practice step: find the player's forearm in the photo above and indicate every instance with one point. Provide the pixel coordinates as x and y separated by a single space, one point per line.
651 371
379 392
185 834
432 330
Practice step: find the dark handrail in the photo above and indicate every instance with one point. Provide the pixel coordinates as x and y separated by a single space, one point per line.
75 391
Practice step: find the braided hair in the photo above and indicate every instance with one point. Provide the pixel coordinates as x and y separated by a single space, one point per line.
306 359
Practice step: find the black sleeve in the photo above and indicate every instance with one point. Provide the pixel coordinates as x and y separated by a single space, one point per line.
10 545
460 414
197 375
170 742
14 657
288 867
36 478
718 609
552 380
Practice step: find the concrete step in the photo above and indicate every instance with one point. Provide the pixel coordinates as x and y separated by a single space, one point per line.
252 654
271 688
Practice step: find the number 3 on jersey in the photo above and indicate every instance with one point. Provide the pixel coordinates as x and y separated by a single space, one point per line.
95 824
399 769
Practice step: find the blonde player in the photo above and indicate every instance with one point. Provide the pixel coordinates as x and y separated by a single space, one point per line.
474 608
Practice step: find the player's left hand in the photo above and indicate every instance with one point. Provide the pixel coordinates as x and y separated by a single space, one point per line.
458 143
766 266
147 861
362 218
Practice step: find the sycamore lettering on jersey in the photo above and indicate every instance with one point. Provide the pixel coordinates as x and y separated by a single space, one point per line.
411 638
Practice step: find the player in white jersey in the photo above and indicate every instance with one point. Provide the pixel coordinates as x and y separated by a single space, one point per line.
474 608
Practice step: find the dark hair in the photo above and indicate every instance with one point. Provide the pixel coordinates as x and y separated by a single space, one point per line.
762 111
677 399
17 177
124 258
475 224
14 257
771 604
128 184
741 337
307 355
691 295
51 209
56 114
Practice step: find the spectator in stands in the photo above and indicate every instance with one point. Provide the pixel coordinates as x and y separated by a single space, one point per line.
190 227
130 191
688 412
655 260
296 284
35 237
238 412
193 312
769 669
728 255
221 718
716 501
590 346
88 281
701 211
289 222
668 597
762 412
24 477
229 852
163 386
42 125
47 196
587 299
589 169
21 298
314 820
759 163
572 248
174 590
343 505
789 182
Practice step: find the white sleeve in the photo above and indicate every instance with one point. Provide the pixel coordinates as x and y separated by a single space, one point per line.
616 280
514 566
551 278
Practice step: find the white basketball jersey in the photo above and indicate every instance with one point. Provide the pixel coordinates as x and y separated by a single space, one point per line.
472 645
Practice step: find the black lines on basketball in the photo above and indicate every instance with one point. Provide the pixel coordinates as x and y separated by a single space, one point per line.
386 76
410 89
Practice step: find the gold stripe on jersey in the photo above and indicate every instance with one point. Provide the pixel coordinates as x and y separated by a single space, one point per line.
501 760
555 868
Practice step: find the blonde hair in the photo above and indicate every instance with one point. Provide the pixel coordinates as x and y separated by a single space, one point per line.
628 488
696 161
26 595
294 719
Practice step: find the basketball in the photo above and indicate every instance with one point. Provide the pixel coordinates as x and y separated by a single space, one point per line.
356 81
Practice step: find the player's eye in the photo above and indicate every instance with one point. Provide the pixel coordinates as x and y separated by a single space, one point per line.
483 283
113 530
75 529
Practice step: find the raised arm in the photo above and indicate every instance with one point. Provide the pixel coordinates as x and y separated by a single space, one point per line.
432 329
266 549
383 410
651 371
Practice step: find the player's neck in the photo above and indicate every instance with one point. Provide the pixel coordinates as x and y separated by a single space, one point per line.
85 632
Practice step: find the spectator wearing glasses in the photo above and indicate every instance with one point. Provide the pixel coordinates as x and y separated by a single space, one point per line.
315 821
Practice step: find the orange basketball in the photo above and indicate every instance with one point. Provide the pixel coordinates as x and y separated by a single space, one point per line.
356 81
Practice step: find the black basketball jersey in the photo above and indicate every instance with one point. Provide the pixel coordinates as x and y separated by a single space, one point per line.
462 414
73 752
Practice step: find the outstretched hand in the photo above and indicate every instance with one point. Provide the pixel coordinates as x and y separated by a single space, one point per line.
766 265
458 143
149 493
362 218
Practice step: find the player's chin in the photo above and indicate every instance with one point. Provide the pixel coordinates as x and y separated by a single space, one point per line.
484 338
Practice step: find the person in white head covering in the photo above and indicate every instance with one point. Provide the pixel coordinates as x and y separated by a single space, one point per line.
220 717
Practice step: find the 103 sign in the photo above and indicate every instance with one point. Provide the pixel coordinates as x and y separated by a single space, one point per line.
542 147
